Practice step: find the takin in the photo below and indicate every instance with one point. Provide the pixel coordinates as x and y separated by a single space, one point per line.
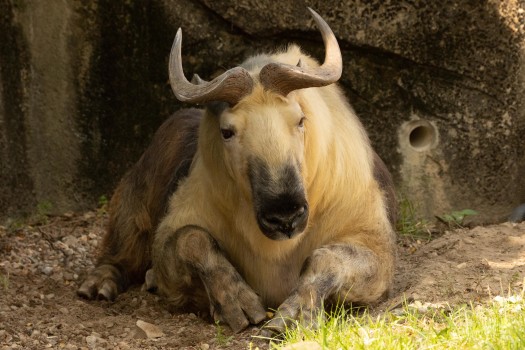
270 197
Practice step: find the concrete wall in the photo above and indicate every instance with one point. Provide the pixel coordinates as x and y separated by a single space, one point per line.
438 84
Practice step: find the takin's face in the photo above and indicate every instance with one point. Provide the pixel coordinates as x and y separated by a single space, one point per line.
264 152
263 134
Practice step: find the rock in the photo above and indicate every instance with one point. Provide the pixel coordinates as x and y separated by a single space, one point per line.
123 345
461 266
68 276
47 270
70 241
151 330
464 79
94 340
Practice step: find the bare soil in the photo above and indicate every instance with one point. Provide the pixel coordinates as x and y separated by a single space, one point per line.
41 265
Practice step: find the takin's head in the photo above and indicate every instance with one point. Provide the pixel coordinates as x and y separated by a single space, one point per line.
262 127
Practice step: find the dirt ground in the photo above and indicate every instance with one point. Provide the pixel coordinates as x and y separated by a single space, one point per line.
42 264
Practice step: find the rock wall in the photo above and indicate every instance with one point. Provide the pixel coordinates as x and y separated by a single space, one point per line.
438 84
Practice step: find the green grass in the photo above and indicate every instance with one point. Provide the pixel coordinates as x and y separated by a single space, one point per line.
409 224
103 205
455 219
220 336
42 212
4 281
500 324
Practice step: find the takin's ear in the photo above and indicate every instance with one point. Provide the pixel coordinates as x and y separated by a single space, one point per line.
285 99
197 80
217 107
302 63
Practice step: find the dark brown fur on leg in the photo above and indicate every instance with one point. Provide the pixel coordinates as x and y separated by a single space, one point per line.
138 204
385 181
191 259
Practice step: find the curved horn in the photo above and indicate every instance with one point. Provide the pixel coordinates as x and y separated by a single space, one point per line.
284 78
229 87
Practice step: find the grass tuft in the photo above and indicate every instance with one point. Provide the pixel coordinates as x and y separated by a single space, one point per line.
409 224
500 324
222 339
4 281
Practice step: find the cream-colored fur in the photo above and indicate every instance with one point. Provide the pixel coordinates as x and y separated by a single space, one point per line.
345 202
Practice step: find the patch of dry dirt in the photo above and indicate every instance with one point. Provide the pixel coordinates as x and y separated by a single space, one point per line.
41 265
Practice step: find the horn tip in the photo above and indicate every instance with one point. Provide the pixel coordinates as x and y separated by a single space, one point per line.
313 12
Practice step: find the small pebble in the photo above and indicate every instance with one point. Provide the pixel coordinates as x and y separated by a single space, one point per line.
151 330
47 270
92 341
461 266
123 345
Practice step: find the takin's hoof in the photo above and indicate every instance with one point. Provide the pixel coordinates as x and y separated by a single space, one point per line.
240 312
91 289
100 284
150 282
294 310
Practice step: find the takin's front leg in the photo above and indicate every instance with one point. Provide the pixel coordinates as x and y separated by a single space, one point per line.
190 269
338 273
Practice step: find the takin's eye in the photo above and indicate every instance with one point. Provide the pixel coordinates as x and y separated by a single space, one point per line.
227 133
301 122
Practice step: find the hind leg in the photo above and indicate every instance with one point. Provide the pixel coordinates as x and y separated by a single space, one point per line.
125 254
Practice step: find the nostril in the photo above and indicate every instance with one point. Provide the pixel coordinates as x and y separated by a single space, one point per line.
272 220
300 213
271 223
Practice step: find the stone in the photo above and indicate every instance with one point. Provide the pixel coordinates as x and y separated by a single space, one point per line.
94 341
47 270
123 345
151 330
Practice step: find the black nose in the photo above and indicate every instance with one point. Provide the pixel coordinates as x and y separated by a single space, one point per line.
288 222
